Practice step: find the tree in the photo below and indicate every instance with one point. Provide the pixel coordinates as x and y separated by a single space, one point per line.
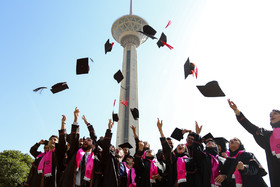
14 168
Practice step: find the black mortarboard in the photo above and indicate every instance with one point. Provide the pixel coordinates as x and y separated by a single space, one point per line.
118 76
59 87
82 66
115 117
125 145
211 89
39 89
177 134
222 142
108 46
207 136
149 31
135 113
188 68
162 38
229 166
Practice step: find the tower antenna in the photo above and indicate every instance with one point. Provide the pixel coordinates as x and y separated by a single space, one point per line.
130 12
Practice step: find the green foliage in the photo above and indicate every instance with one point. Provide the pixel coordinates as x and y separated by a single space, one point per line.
14 168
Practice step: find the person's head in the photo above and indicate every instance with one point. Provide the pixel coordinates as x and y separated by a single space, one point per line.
126 151
170 142
210 143
119 153
180 149
190 139
129 160
46 148
87 144
81 141
160 155
274 117
235 144
112 148
146 145
52 141
149 154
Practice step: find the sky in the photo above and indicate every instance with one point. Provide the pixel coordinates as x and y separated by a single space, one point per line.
233 42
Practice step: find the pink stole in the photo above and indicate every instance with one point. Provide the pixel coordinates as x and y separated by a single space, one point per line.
275 142
237 175
40 155
215 169
130 172
89 164
46 164
181 169
153 168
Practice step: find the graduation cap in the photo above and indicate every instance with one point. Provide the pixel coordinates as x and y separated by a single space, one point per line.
207 136
82 66
59 87
115 117
108 46
39 89
211 89
190 68
149 31
46 142
162 41
118 76
177 134
229 166
222 142
125 145
135 113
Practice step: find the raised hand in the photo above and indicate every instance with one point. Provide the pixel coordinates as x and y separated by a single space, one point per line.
42 141
85 119
197 128
76 114
110 124
159 124
133 128
141 145
233 106
185 131
63 120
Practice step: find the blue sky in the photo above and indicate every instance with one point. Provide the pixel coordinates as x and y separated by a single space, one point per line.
235 43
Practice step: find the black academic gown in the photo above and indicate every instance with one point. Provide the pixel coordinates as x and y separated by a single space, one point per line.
262 137
69 176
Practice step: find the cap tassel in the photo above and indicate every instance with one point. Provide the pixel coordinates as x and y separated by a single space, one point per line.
39 89
114 102
196 72
167 45
124 102
112 45
169 22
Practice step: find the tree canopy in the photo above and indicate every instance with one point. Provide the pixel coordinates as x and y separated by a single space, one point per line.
14 168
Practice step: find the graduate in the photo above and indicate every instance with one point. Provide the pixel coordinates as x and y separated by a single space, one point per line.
266 139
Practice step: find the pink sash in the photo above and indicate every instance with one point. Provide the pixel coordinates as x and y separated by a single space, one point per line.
133 175
215 169
89 164
40 155
181 169
237 175
275 142
153 168
46 164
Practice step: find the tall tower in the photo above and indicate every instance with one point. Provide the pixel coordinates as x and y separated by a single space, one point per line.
124 31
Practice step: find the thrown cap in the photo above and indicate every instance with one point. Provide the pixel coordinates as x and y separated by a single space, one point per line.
162 39
177 134
125 145
108 46
115 117
149 31
135 113
59 87
82 66
211 89
118 76
188 68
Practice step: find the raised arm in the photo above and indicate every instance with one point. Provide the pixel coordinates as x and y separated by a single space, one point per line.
90 129
75 134
61 146
34 149
135 137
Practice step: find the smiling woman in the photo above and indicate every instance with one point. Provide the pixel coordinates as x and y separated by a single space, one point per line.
268 140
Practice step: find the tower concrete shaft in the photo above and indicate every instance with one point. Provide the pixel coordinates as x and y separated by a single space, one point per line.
125 31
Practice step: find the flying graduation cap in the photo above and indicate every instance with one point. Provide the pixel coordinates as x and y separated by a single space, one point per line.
149 31
162 41
190 68
135 113
82 66
115 117
108 46
177 134
211 89
59 87
40 89
118 76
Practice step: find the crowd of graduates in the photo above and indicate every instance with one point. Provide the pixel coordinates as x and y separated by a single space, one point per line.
71 161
